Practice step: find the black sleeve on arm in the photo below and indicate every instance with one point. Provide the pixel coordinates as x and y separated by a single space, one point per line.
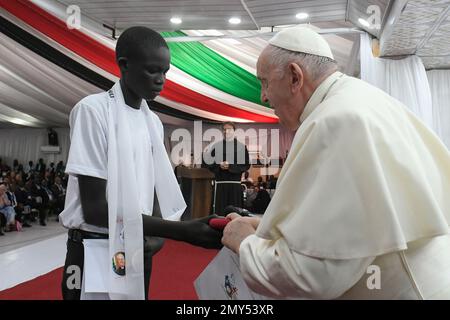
93 200
196 232
241 167
155 226
213 167
95 212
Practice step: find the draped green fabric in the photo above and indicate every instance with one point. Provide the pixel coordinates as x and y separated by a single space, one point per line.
206 65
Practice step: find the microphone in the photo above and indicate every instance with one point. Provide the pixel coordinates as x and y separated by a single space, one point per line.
220 223
240 211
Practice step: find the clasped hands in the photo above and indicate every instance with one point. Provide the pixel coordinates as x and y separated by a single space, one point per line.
199 232
224 165
237 230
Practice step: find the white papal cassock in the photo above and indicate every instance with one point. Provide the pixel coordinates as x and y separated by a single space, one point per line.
365 184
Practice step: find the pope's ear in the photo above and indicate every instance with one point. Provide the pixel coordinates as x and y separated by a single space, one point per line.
297 76
122 62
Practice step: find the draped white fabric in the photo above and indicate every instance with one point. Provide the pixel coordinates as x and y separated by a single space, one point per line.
179 76
32 85
39 93
271 140
405 80
265 135
440 92
24 144
63 90
244 52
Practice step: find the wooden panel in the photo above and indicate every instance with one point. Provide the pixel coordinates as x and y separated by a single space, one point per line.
195 173
197 191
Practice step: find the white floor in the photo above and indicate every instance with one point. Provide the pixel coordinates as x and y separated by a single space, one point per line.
14 240
31 253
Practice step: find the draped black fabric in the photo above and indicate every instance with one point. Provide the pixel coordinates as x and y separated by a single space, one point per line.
236 154
65 62
227 194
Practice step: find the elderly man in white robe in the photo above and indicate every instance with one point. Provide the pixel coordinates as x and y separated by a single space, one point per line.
362 204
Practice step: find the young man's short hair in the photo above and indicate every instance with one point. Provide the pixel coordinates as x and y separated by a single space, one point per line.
135 39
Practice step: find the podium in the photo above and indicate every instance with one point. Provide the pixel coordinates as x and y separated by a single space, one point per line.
196 186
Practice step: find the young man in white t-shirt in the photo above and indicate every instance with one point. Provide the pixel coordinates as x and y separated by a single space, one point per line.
143 58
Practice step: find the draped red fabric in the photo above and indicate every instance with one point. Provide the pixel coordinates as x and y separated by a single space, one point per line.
104 57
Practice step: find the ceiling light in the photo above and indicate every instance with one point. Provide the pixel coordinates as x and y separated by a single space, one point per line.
234 20
364 23
18 121
10 115
175 20
302 15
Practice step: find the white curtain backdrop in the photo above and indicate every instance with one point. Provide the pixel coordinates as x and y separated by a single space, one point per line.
244 52
261 141
24 144
440 92
405 80
35 86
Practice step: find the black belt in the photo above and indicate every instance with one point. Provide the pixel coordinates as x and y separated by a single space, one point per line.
151 244
78 235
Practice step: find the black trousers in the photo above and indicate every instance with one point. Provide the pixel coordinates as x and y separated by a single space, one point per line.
2 220
75 257
227 194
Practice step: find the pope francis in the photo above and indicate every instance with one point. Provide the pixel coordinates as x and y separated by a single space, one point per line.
362 205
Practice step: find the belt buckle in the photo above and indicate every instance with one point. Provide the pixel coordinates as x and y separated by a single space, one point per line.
75 235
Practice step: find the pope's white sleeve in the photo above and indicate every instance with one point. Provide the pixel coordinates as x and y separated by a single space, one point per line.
272 269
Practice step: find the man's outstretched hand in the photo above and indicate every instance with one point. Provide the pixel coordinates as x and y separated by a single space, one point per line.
199 233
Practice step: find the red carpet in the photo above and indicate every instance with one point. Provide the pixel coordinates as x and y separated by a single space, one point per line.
175 268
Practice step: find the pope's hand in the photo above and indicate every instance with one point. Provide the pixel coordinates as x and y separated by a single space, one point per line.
254 221
237 230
